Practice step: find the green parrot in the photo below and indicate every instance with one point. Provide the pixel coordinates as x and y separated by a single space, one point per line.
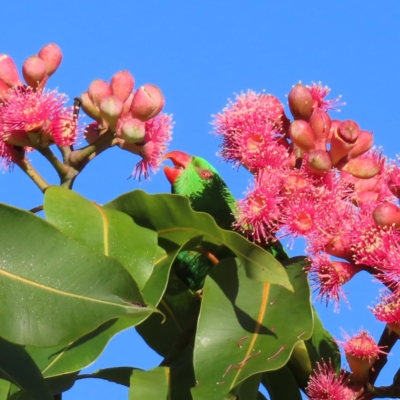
197 179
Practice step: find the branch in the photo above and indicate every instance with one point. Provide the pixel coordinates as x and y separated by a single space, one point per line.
33 174
384 392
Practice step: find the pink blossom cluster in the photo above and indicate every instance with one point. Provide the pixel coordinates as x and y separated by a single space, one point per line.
31 116
316 178
134 115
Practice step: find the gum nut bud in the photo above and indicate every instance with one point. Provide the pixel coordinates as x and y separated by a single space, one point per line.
133 130
122 84
302 135
92 132
339 146
34 71
364 142
319 162
300 102
334 127
89 108
8 71
320 123
52 56
363 168
111 109
147 102
348 130
98 90
3 87
127 104
387 214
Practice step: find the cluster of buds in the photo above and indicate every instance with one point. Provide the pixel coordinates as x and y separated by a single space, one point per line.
134 116
31 117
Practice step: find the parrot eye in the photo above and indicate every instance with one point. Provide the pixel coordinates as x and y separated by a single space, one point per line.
206 174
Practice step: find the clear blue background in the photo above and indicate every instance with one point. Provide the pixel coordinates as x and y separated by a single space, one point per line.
200 53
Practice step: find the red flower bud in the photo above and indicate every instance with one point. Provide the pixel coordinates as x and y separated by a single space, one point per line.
111 109
387 214
302 135
321 124
92 132
319 162
300 102
52 56
98 90
362 168
34 71
89 108
8 71
122 84
343 140
133 131
147 102
364 142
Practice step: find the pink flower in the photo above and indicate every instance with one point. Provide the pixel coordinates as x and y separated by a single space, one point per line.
325 384
388 311
259 213
158 134
319 93
361 352
250 128
64 127
329 276
6 154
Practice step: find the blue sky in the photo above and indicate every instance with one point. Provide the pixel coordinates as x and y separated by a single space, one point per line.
200 53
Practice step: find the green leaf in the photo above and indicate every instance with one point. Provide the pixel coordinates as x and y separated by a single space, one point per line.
58 360
248 389
150 385
55 290
105 231
4 389
18 367
56 385
246 327
172 218
281 384
120 375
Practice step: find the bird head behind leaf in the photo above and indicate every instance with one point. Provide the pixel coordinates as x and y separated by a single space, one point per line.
197 179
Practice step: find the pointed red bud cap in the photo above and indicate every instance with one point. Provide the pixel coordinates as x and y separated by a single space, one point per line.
302 135
343 140
348 130
52 56
320 123
89 108
111 109
300 102
319 162
363 168
180 161
364 142
133 130
98 90
122 84
387 214
147 102
8 71
34 71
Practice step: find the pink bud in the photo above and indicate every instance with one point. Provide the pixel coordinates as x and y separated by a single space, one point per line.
89 108
363 168
387 214
302 135
321 124
319 162
127 104
394 182
300 102
92 132
16 138
33 70
52 56
364 142
8 71
3 88
147 102
111 109
98 90
133 131
122 84
334 127
343 140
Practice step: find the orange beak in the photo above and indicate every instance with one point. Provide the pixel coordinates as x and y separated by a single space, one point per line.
180 161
